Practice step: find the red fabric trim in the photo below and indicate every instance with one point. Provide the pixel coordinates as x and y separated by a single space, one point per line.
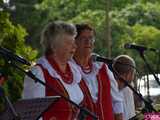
61 110
87 102
103 106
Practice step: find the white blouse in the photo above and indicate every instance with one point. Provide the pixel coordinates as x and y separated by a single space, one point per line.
91 80
128 104
32 89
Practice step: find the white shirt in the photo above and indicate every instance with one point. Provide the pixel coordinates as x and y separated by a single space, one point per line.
117 98
34 90
91 80
128 104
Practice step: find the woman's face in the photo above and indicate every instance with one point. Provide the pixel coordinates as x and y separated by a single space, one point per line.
129 77
85 42
66 46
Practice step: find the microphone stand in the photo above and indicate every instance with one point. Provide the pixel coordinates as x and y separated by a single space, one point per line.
83 111
158 62
148 105
148 66
9 104
148 91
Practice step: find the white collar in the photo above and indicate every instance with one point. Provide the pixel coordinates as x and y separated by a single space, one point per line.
76 73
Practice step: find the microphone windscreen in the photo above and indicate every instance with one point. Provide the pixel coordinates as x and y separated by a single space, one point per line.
98 58
127 45
94 57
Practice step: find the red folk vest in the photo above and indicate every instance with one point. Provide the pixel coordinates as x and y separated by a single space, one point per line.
61 110
103 106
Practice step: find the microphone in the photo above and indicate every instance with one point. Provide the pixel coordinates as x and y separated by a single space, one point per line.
98 58
139 47
8 54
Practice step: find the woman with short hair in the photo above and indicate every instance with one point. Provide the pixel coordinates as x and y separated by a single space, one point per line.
55 69
97 80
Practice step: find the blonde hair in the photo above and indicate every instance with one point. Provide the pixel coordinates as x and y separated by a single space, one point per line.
52 34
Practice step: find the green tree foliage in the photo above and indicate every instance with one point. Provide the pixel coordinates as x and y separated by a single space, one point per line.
77 11
146 14
12 38
147 36
137 23
120 4
30 18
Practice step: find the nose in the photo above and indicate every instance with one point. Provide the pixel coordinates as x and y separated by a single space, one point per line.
89 41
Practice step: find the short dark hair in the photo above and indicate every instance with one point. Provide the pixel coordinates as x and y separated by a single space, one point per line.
82 27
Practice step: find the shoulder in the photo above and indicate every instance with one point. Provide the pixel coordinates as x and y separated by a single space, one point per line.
101 65
98 65
76 71
36 70
73 65
127 91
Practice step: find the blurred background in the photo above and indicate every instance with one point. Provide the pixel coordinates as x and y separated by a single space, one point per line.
117 22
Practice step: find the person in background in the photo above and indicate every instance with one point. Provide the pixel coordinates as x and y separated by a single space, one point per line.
55 69
3 77
124 66
98 81
3 80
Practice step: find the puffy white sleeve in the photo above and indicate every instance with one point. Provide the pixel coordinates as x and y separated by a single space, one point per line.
117 98
31 88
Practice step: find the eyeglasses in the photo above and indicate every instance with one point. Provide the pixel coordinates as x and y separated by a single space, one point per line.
87 39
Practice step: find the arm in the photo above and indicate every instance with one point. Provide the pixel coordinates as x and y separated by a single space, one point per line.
117 98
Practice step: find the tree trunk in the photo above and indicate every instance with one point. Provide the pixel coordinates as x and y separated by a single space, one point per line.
108 28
